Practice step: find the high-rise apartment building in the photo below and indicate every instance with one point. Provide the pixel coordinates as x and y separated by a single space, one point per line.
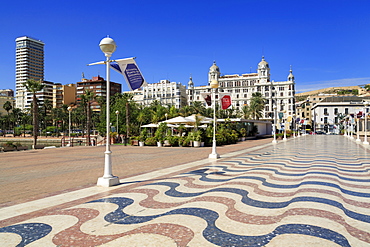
29 65
98 86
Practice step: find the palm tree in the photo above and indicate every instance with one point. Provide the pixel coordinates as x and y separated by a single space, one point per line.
16 116
33 86
46 108
256 105
185 111
245 112
198 107
86 99
7 107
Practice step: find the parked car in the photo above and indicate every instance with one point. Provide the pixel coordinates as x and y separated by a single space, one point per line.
320 133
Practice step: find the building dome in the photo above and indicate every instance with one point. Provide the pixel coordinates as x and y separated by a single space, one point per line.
291 76
263 63
190 83
214 68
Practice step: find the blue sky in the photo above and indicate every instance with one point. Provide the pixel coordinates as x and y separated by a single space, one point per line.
326 42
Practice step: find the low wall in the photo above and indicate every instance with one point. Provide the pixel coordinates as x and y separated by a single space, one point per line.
29 141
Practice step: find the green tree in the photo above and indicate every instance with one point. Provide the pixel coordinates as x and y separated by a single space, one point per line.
33 87
245 112
7 107
198 108
256 105
45 113
15 117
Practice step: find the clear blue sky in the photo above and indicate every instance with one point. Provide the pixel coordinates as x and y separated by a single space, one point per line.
326 42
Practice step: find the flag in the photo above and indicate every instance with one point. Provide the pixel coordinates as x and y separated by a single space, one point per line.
225 101
130 71
207 97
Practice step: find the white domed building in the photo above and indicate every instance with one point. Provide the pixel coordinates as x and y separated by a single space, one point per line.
241 87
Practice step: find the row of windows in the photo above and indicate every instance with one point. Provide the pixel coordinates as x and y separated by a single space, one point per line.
346 111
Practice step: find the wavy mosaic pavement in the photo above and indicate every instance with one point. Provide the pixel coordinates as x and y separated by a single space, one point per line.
310 191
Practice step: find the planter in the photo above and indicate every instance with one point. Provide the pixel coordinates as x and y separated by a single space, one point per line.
196 144
141 144
7 149
19 148
159 144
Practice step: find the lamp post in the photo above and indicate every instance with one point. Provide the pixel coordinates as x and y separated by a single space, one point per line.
285 121
108 46
214 154
69 124
274 129
294 124
365 139
117 113
357 130
351 127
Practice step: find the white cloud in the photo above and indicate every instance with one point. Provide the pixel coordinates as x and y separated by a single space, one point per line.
316 85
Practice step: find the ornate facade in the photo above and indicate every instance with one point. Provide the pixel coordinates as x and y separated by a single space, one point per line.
241 88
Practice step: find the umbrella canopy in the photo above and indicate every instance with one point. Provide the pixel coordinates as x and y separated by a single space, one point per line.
188 120
150 126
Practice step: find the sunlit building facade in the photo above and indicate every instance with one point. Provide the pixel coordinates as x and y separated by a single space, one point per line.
29 65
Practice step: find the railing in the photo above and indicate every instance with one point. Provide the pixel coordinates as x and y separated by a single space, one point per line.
79 141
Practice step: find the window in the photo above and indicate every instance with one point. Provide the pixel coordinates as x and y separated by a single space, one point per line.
325 120
335 111
326 111
345 110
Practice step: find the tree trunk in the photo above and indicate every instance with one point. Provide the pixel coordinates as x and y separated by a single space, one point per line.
127 120
88 120
35 120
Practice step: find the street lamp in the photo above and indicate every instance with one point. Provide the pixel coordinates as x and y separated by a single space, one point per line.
214 154
117 113
285 121
358 129
294 125
365 140
352 120
108 46
274 129
69 124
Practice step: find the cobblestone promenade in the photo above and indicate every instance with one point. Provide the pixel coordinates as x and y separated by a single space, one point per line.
307 191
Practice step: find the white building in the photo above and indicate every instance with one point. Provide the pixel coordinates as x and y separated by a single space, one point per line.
327 114
241 88
166 92
29 65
